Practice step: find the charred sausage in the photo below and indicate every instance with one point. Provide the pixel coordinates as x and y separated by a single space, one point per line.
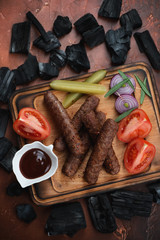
73 162
90 104
64 122
93 122
100 150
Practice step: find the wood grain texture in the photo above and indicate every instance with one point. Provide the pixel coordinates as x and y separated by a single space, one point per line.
68 188
46 11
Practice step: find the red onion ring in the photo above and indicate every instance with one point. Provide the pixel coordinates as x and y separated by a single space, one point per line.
127 89
125 102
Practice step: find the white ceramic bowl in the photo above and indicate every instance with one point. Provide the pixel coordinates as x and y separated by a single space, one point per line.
25 182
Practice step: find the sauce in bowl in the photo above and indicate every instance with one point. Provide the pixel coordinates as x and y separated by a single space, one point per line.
34 163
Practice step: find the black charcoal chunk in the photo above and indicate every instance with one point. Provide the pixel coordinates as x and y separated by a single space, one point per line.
5 146
85 23
77 57
67 218
38 25
25 212
146 45
28 71
118 44
110 9
47 47
94 37
133 196
62 26
132 19
47 71
154 188
7 84
123 213
6 162
20 39
14 189
126 204
4 117
101 213
58 58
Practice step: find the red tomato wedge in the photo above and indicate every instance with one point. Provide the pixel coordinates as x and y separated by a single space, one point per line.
138 155
31 124
136 124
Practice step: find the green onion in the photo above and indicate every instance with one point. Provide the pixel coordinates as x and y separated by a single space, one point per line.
115 88
123 115
120 84
125 77
142 86
142 92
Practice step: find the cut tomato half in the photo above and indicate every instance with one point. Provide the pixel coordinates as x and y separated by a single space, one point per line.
136 124
138 155
31 124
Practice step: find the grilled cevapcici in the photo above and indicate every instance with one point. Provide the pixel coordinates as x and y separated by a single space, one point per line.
93 122
90 104
63 120
100 150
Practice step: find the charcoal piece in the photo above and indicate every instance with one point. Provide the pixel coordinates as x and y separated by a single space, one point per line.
110 9
14 189
47 71
25 212
7 83
6 161
77 57
123 213
132 195
67 218
131 18
118 44
20 39
101 213
47 47
154 188
146 45
58 58
126 204
38 25
85 23
4 117
62 26
94 37
5 146
28 71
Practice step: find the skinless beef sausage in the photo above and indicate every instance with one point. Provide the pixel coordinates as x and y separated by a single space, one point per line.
100 150
73 162
94 121
90 104
64 122
111 162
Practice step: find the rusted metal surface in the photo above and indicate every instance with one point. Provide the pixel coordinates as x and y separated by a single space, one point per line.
46 11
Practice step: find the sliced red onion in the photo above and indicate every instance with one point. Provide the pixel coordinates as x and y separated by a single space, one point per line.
125 102
126 89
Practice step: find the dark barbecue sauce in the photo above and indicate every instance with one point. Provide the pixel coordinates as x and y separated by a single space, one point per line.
34 163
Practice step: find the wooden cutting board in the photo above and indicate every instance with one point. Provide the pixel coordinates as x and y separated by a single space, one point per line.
60 188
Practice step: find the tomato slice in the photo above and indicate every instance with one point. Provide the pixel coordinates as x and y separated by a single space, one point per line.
138 155
136 124
31 124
